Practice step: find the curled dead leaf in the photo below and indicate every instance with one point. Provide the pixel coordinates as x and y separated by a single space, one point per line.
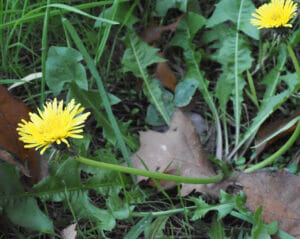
177 151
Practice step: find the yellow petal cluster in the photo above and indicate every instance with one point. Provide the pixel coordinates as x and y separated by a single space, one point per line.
52 125
275 14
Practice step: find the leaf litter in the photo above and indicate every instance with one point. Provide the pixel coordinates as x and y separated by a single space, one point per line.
12 149
178 151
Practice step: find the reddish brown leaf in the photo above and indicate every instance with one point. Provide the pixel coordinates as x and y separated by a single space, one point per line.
11 113
279 195
152 34
165 74
268 129
177 149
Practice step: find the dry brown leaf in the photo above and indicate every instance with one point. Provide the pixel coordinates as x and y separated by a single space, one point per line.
177 149
279 195
152 34
11 113
165 74
269 128
69 232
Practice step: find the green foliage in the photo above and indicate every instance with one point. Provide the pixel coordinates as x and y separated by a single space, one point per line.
62 66
227 204
155 230
136 58
153 117
24 211
235 11
261 230
163 6
217 230
139 227
184 92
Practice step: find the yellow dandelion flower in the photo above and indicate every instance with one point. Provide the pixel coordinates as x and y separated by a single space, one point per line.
52 125
275 14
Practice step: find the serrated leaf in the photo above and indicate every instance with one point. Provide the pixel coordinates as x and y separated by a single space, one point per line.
137 57
227 204
186 30
24 211
184 92
235 11
62 66
62 187
153 117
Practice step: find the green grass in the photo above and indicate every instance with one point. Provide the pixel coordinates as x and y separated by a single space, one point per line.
242 78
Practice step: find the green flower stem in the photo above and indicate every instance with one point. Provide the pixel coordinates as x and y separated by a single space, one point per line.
162 213
274 156
150 174
294 59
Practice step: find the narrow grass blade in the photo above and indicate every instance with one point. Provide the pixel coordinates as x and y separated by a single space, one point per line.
90 64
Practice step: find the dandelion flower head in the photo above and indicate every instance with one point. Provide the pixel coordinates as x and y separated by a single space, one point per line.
52 125
275 14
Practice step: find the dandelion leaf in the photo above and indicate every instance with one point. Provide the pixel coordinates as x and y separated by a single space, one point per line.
24 211
235 11
63 66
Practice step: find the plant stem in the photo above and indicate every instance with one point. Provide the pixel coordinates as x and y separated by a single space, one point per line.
150 174
274 156
294 59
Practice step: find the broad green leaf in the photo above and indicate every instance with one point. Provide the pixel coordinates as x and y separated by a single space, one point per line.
184 92
62 66
186 30
26 213
137 57
239 12
23 211
153 117
156 228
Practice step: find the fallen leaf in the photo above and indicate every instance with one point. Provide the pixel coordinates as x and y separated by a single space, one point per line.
177 150
268 129
165 74
11 113
162 71
279 195
152 34
69 232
